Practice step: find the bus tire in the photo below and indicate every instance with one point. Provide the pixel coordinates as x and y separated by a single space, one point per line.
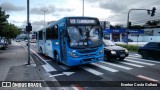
56 57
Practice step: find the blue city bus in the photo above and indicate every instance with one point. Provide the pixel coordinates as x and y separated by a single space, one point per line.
72 41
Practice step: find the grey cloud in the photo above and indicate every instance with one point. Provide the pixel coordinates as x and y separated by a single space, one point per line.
10 7
41 10
49 9
38 23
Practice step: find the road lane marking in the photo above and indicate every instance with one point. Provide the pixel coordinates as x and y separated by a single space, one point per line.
116 65
135 65
47 66
105 68
91 70
139 62
30 55
136 56
146 78
143 60
64 67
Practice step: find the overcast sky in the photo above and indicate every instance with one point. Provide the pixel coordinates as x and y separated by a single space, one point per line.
114 11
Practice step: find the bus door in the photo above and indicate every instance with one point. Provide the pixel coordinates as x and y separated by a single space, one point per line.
63 46
44 42
37 40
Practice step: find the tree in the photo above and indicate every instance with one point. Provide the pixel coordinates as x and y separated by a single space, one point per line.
3 21
11 31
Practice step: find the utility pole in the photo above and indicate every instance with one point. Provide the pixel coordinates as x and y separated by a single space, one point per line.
129 23
28 29
83 8
44 15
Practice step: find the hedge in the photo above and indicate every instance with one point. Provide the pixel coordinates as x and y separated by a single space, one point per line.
133 48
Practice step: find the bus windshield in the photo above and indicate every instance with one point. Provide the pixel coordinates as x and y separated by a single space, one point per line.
84 36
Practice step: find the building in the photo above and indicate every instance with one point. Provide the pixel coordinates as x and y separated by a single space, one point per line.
120 35
150 35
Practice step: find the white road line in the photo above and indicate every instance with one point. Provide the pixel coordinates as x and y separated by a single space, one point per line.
116 65
64 67
47 66
104 67
30 55
135 65
135 56
92 71
144 60
139 62
146 78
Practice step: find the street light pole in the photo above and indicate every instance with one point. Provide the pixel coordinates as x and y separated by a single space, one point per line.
44 15
83 8
28 33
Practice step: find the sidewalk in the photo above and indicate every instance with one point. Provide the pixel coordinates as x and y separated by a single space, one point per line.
13 66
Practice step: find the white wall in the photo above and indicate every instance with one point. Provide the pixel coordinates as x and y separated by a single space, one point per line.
145 38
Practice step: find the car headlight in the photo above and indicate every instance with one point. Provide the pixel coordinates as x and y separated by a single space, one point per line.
72 54
126 50
101 51
113 52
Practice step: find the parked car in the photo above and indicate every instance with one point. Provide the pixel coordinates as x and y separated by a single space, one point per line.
33 40
112 51
151 49
18 40
3 44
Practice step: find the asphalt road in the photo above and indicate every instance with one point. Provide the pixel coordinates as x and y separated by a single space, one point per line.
103 74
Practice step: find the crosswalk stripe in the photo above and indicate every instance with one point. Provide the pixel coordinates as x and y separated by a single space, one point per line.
143 59
104 67
135 65
64 67
134 56
48 68
92 70
139 62
116 65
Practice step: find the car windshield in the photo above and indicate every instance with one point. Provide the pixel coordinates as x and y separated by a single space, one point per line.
84 36
108 43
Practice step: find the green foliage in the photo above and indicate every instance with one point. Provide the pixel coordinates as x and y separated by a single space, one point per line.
11 31
133 48
6 29
3 21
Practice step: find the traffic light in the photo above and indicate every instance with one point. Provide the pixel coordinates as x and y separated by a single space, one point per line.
129 24
148 11
153 11
29 27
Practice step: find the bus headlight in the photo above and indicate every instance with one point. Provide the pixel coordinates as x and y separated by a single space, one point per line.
100 52
113 52
72 54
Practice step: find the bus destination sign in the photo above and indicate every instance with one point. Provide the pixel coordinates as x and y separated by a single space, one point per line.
82 21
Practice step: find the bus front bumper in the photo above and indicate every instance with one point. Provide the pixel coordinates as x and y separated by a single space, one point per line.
84 60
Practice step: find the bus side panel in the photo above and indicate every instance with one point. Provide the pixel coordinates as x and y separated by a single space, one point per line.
40 45
49 48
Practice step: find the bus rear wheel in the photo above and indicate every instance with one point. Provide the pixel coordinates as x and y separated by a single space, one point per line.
56 58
